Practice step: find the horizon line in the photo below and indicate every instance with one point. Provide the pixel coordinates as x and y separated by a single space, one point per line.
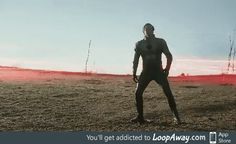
97 73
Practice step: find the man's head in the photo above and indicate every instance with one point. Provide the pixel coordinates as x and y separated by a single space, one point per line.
148 30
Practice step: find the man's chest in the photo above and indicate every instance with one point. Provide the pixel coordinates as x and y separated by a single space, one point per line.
150 47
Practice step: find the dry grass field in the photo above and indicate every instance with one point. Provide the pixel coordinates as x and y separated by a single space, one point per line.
51 101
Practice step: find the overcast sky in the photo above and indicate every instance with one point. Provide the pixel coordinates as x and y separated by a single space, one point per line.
54 34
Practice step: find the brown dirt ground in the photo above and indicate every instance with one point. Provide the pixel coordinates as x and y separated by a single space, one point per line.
57 102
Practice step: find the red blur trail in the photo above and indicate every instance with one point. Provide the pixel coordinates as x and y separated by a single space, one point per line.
19 74
208 79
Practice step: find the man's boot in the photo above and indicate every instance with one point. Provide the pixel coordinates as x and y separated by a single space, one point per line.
176 116
140 119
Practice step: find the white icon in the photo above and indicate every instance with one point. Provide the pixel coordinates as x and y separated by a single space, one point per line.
212 137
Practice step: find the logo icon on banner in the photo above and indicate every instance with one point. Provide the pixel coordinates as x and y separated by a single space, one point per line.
212 137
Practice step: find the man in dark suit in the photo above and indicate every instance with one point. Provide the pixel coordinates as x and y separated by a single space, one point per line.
151 49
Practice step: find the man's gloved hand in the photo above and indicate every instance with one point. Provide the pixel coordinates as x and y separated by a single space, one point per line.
135 78
166 72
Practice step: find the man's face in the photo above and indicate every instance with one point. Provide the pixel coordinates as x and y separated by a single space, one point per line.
148 31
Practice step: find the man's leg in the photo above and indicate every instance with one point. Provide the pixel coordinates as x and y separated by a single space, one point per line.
166 88
141 86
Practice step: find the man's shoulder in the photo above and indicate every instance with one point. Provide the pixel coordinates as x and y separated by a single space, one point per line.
138 45
160 39
139 42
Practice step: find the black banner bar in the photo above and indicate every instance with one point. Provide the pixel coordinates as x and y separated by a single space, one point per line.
117 137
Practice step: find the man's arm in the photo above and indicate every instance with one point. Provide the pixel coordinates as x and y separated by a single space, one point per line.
135 62
168 55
